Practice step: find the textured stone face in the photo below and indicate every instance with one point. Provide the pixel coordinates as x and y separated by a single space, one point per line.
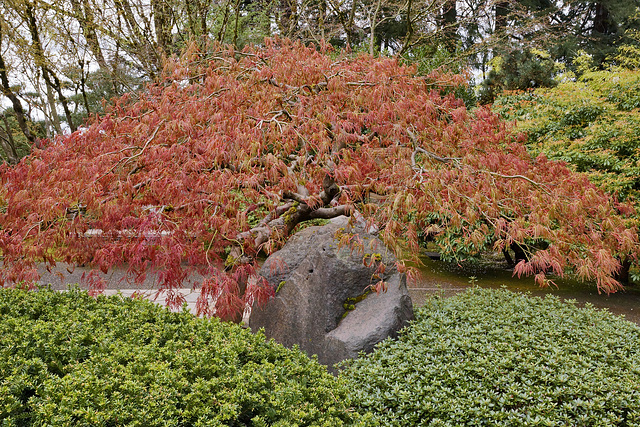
315 279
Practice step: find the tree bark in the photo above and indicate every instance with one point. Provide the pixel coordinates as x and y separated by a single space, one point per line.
86 20
55 118
519 253
15 102
8 143
351 23
373 25
237 23
49 76
448 25
288 17
623 275
507 257
83 88
602 22
204 11
225 20
322 12
162 22
409 36
501 14
297 210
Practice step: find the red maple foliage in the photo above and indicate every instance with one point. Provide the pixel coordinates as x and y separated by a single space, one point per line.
231 150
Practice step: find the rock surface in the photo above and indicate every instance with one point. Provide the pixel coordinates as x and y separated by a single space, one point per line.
315 279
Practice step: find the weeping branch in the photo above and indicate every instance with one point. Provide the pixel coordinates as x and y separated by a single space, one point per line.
297 208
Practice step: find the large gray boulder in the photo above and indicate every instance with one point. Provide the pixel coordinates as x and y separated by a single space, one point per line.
317 283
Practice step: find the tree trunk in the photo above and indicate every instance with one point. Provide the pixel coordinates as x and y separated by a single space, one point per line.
351 23
15 102
519 253
237 22
623 275
8 143
204 11
225 20
602 22
53 112
407 38
84 16
502 12
162 22
288 17
192 20
448 25
63 100
83 88
373 25
507 257
322 12
47 73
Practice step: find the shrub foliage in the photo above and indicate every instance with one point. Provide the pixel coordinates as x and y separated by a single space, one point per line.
492 357
593 124
70 359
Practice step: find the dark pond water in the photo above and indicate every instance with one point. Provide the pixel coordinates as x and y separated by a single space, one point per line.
441 277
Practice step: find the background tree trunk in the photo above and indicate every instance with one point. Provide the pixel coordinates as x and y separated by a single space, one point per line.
15 102
448 25
86 20
501 14
8 143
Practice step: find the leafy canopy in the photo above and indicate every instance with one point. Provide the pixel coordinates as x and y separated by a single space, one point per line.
222 158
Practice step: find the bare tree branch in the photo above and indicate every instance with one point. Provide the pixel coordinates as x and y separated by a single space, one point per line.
328 213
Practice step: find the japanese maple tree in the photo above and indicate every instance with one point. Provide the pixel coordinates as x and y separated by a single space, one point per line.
230 151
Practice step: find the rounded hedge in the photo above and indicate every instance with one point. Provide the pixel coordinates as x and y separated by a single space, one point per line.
70 359
497 358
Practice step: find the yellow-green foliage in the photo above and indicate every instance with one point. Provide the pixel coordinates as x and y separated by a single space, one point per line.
628 54
67 359
592 123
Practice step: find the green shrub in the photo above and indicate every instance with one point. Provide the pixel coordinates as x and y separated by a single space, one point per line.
70 359
497 358
592 123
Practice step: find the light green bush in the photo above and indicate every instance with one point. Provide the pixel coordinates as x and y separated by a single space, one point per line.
593 124
496 358
67 359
